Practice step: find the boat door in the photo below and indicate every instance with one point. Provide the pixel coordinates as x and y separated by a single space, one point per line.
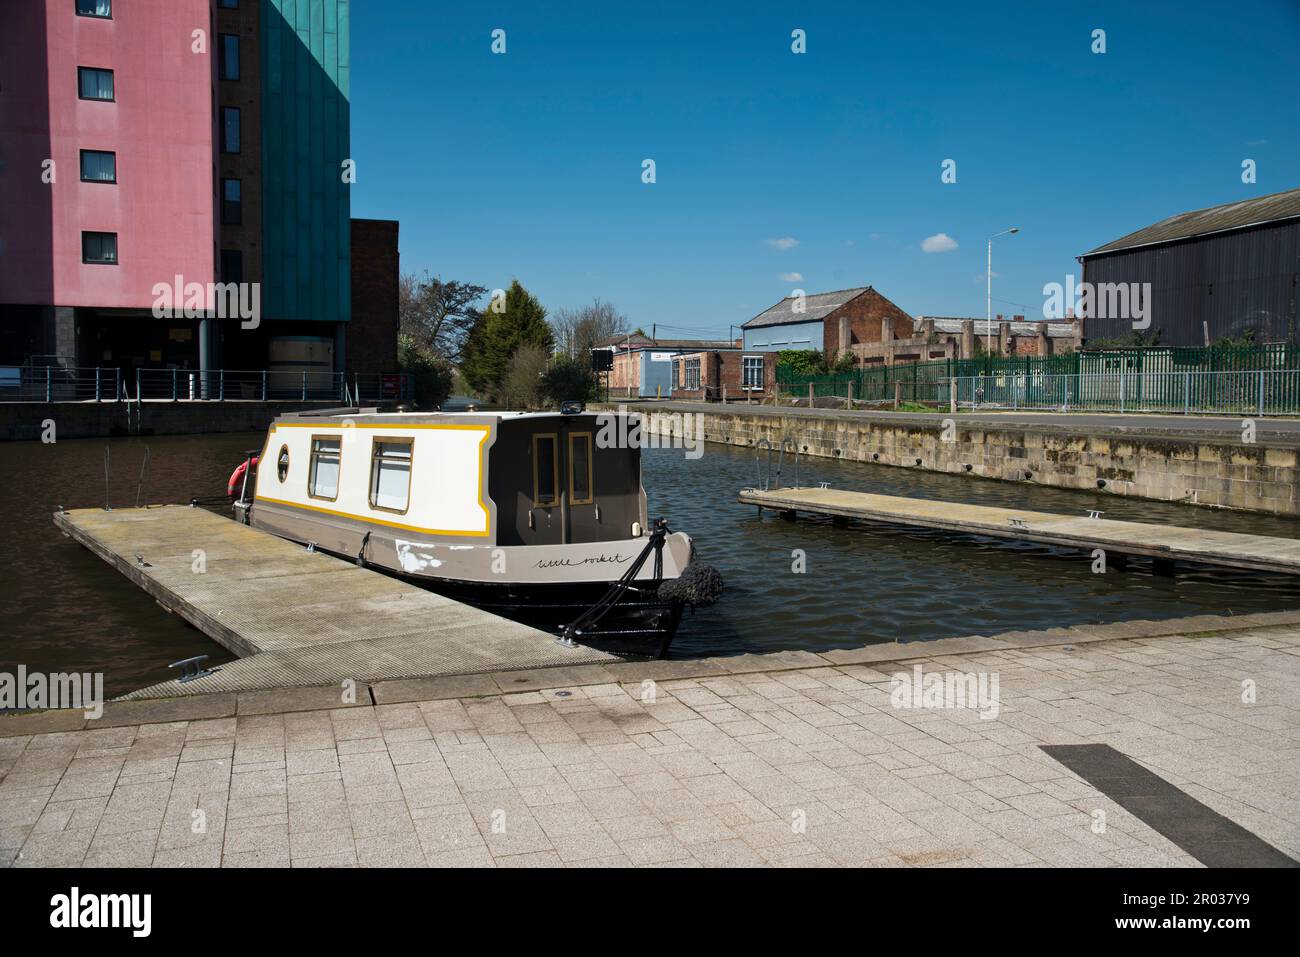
545 516
560 488
564 506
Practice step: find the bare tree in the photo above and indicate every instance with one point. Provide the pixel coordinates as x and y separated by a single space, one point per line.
522 386
578 330
437 314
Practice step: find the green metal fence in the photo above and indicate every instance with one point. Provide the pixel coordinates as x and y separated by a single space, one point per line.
1144 370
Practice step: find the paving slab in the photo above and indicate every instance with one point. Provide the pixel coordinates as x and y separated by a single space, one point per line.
596 777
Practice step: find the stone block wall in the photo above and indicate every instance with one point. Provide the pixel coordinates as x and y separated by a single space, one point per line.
1212 471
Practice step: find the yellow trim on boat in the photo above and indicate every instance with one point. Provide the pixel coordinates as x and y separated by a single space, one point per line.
487 515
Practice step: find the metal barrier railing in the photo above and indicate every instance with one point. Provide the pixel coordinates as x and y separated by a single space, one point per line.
1254 392
59 384
380 387
55 383
234 384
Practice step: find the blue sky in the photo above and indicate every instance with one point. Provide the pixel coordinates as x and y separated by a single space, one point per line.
528 165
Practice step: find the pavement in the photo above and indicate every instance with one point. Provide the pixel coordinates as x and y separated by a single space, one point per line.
795 765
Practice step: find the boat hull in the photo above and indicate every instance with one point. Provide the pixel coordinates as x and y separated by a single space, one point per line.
545 586
639 625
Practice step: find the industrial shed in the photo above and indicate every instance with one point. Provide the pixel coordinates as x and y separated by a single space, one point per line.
1217 273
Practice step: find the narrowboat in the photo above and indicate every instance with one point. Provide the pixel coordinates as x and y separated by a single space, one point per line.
525 514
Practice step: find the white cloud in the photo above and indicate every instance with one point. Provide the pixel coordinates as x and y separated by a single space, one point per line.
791 277
785 242
938 243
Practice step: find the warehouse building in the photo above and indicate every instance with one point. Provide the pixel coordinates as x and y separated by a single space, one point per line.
1224 273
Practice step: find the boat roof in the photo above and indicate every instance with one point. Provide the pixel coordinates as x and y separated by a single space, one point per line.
371 415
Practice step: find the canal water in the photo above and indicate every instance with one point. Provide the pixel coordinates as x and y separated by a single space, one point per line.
66 610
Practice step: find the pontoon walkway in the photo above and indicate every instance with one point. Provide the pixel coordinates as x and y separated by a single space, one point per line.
296 617
1164 543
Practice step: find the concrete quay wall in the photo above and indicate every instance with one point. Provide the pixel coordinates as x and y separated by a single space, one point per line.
1212 469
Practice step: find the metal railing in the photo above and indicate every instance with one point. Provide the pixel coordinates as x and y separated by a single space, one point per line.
234 384
1252 392
54 383
380 387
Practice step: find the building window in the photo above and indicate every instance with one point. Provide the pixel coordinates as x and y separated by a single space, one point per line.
752 372
691 370
94 84
390 474
232 205
98 166
232 265
546 472
229 69
95 8
580 469
230 129
323 476
99 248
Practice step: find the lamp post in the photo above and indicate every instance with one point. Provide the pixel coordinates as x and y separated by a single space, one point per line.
988 275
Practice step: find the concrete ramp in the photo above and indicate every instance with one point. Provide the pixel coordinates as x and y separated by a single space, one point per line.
296 617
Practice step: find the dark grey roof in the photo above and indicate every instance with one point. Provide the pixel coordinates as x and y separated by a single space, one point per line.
620 343
819 305
951 325
1215 219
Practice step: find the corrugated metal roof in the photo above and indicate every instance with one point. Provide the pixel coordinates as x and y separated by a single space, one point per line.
1199 222
818 306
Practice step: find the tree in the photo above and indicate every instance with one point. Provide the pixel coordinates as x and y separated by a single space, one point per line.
569 378
505 326
577 331
431 375
437 315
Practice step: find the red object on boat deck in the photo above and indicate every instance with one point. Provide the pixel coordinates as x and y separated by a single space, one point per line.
237 477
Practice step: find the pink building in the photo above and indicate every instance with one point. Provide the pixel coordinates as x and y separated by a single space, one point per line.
106 113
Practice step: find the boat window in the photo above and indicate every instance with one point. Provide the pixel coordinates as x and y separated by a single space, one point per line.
546 471
323 477
580 491
390 474
282 463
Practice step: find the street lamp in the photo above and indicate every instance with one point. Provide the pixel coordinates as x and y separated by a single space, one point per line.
988 275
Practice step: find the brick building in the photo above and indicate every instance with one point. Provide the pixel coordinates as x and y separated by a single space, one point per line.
1011 337
376 272
724 375
833 322
643 367
179 166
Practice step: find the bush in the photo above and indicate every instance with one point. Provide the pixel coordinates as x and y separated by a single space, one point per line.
431 376
569 379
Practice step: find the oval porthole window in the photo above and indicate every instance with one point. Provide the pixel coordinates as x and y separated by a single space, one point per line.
282 463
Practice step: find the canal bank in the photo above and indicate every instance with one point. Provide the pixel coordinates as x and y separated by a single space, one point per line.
1228 463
